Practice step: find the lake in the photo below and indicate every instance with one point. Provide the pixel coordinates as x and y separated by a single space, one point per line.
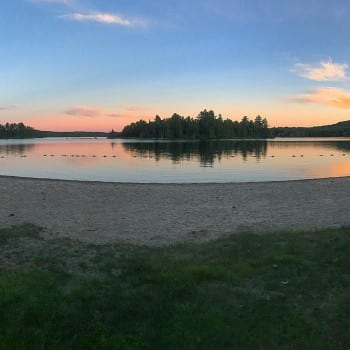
176 161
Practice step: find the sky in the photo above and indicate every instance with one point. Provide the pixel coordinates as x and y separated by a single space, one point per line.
101 64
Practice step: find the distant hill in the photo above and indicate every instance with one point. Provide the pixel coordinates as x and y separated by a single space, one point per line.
341 129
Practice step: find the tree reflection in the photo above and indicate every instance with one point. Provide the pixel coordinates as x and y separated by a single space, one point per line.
16 149
205 152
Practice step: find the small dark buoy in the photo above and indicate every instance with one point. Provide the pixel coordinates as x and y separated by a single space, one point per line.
293 155
332 155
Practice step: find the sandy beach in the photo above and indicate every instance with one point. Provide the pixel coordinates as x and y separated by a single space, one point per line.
161 214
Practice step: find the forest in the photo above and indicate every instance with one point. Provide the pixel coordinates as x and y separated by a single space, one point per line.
207 125
17 131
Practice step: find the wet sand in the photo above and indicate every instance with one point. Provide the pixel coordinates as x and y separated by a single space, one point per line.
161 214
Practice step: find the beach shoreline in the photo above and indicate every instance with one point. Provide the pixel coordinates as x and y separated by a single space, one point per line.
161 214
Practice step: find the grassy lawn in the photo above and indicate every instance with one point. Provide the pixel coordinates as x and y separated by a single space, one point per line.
274 291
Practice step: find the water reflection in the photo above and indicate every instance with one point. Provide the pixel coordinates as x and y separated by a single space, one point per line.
341 145
205 152
16 149
181 161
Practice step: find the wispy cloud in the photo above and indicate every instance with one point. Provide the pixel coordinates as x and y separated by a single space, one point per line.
7 108
101 17
63 2
329 96
324 71
91 112
81 14
133 108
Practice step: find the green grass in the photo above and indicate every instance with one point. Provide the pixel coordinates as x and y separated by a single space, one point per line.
226 294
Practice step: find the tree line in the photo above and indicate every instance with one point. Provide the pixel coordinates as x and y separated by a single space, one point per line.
17 131
207 125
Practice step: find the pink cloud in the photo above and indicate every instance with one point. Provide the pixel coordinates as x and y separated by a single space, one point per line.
91 112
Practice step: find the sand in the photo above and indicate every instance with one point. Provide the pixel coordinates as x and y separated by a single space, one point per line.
162 214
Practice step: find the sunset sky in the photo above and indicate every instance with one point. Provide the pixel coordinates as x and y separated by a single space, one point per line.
100 64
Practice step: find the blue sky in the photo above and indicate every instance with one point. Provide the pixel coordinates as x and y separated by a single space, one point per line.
97 65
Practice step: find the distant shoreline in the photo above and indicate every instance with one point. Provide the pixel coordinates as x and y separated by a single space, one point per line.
163 214
347 138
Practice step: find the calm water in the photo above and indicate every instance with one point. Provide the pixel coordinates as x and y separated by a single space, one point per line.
151 161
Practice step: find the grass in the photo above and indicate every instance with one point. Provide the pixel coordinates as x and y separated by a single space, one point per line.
274 291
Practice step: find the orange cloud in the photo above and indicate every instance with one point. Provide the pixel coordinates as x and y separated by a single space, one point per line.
326 96
325 71
91 112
